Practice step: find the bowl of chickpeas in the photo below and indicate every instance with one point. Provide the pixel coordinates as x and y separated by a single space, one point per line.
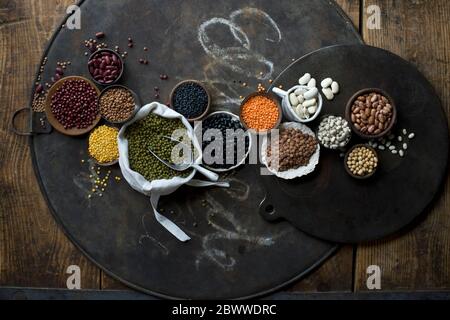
361 161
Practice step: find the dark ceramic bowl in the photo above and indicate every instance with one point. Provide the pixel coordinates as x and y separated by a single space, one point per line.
121 69
269 96
137 103
208 107
348 169
348 113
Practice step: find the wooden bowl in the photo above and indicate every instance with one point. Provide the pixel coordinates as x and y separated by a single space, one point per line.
137 103
348 169
208 107
121 69
348 113
54 122
269 96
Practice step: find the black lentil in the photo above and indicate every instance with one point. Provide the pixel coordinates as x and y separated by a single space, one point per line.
231 149
148 133
190 99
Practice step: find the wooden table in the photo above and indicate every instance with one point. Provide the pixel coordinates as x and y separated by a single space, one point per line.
35 253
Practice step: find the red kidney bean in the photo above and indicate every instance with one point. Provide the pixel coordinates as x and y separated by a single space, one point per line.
105 67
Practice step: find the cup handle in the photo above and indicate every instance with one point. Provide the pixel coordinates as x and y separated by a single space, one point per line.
279 92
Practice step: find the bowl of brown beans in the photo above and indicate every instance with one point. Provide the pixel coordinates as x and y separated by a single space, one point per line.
105 67
118 104
361 161
372 113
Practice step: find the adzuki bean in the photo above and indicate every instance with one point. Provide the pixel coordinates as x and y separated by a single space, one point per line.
75 104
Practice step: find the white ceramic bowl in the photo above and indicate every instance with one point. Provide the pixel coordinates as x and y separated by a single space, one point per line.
289 112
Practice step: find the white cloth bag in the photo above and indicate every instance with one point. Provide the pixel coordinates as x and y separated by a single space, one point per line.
157 188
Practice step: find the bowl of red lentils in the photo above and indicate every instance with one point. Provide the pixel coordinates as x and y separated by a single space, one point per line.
260 112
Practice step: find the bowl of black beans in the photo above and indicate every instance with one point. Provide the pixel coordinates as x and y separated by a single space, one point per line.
191 99
225 142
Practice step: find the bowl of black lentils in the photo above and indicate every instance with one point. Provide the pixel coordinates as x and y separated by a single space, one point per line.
191 99
223 130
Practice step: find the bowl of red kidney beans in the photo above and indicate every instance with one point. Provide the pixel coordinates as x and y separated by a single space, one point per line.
105 67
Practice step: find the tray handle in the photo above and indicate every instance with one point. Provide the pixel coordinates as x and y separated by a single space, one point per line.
13 122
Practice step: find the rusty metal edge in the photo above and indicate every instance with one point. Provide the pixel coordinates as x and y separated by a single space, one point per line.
110 273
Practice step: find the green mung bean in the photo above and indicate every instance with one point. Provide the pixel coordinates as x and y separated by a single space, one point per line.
148 133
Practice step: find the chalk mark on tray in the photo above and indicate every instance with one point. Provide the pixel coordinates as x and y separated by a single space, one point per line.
240 59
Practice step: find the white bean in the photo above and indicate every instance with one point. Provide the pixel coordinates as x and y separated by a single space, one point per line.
312 83
335 87
299 91
301 98
326 83
309 103
401 153
305 79
312 93
405 146
411 136
312 110
293 100
328 93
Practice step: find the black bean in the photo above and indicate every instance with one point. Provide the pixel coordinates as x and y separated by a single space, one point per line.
190 100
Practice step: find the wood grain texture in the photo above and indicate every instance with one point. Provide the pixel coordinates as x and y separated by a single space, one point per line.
352 9
419 31
33 250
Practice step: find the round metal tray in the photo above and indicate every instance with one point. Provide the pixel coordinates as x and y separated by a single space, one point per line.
234 253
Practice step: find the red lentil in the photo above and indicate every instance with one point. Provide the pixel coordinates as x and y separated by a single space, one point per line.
260 113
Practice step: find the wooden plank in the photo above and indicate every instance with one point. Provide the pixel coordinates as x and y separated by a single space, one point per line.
352 9
33 250
334 275
418 260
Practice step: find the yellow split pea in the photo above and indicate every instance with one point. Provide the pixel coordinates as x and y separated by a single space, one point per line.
103 145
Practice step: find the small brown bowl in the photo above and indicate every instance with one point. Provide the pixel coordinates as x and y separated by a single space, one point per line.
54 122
348 169
121 68
107 164
348 112
137 103
208 107
269 96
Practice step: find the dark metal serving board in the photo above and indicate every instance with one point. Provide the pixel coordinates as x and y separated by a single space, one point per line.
329 203
234 253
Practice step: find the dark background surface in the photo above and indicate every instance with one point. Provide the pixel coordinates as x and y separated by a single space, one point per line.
34 251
